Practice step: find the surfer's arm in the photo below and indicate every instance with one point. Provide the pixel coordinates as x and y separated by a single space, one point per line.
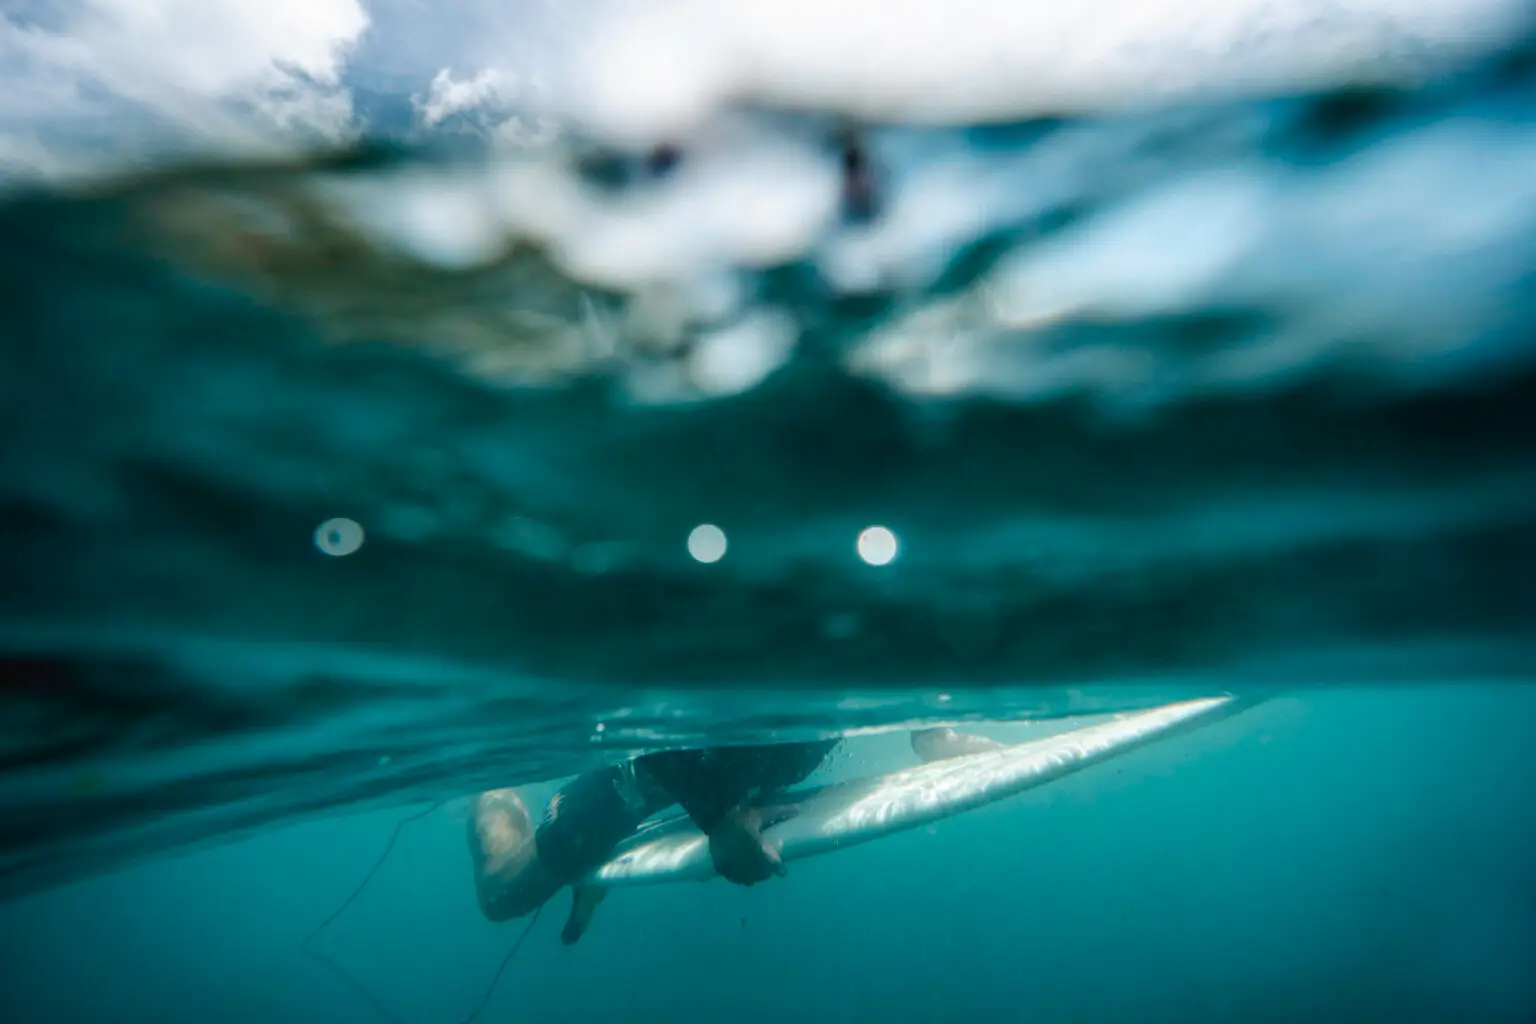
943 743
710 784
704 783
714 786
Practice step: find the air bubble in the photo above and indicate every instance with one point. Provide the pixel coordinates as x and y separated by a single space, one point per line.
706 543
338 537
877 545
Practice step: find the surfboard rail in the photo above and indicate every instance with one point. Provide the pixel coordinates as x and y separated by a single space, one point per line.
833 817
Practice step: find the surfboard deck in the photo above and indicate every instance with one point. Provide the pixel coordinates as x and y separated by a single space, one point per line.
823 819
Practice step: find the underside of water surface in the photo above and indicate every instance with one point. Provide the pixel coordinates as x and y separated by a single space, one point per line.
370 474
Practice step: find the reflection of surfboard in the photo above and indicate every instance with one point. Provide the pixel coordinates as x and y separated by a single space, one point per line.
836 816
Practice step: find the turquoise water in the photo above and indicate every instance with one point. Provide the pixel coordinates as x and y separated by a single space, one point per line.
1344 856
366 476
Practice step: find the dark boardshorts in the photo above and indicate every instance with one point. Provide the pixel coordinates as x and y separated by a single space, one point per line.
598 810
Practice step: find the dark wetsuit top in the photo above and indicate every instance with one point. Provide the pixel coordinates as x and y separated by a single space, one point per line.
598 810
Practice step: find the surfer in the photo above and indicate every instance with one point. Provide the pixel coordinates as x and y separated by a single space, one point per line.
518 868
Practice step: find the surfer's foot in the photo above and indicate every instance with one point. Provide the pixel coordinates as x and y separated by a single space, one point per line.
584 903
941 744
739 850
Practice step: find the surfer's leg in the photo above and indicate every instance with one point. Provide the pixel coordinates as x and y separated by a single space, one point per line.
517 868
589 817
583 824
943 743
509 880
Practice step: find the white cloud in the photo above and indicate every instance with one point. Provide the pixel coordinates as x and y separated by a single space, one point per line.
500 104
225 73
1347 261
661 67
449 95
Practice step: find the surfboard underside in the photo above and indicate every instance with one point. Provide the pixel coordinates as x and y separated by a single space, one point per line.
845 814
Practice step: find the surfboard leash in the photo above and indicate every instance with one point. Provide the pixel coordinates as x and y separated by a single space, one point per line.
335 967
389 847
357 986
491 989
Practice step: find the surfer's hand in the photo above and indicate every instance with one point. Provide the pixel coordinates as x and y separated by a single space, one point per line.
740 852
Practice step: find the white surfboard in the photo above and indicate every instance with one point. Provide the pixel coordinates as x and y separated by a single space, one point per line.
844 814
